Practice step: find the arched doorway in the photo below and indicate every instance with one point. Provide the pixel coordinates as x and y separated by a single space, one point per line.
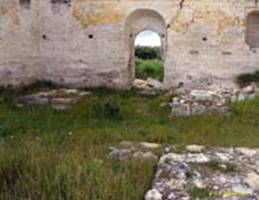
252 32
140 22
148 56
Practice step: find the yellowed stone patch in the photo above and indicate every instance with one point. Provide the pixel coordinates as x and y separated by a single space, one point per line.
106 16
11 12
216 19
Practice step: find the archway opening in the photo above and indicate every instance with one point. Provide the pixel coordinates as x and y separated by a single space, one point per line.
145 28
252 32
148 54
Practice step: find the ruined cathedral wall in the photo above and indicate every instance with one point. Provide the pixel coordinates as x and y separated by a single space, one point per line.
207 43
83 44
89 42
18 43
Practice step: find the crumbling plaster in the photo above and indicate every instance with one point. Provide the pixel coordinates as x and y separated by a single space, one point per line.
89 42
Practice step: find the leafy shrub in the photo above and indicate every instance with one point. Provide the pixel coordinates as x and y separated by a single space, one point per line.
4 130
106 110
149 68
147 53
247 78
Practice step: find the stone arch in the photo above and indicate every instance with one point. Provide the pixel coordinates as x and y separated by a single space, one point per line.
139 21
252 30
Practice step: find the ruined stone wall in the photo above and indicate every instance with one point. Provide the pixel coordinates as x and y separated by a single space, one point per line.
90 42
207 43
18 44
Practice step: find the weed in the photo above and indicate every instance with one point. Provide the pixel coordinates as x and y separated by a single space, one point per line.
149 69
200 193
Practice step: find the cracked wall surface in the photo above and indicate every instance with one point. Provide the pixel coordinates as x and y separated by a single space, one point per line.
89 42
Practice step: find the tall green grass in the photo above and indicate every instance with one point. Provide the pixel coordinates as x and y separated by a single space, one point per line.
49 154
148 63
68 168
149 69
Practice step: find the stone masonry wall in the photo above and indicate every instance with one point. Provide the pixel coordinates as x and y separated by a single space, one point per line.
90 42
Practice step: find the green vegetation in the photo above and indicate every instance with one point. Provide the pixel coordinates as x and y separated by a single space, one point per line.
149 63
148 53
247 78
50 154
149 69
198 193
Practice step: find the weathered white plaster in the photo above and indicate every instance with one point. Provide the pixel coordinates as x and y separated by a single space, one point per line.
90 42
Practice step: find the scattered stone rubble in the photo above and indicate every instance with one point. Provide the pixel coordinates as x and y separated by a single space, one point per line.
198 101
58 98
129 150
204 101
197 172
148 87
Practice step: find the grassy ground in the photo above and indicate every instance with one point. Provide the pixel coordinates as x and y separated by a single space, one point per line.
48 154
152 68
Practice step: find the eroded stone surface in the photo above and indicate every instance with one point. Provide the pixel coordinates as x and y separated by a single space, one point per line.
195 148
153 195
206 101
148 87
198 172
58 99
129 150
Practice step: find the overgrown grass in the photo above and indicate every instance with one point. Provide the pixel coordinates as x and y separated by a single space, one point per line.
198 193
68 168
49 154
152 68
